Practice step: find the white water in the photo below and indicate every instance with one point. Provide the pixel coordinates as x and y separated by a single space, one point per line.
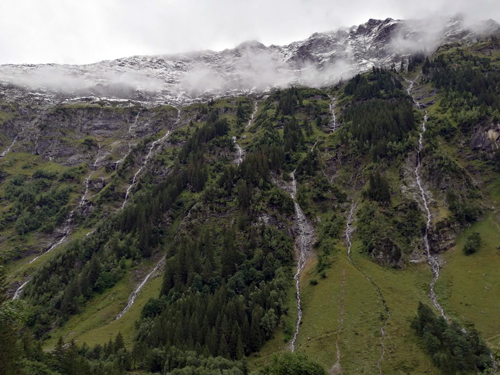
431 260
66 230
67 225
314 145
98 158
129 135
19 290
144 164
254 113
303 244
240 152
146 160
7 150
334 115
135 293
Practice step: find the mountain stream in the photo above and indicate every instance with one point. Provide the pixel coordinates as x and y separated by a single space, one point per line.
302 246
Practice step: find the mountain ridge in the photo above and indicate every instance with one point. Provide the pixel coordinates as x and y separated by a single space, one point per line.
250 68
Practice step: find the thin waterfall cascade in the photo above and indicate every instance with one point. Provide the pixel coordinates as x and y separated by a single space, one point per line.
303 245
129 136
98 158
252 116
144 164
14 141
19 290
334 123
431 260
135 293
7 150
67 225
146 160
349 230
240 152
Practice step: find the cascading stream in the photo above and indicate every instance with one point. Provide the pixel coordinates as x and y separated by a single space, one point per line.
144 164
7 150
14 141
239 150
333 101
303 244
146 160
129 135
83 199
254 113
348 238
67 225
135 293
431 260
19 290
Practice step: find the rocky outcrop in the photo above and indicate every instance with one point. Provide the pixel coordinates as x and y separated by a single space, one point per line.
443 234
486 139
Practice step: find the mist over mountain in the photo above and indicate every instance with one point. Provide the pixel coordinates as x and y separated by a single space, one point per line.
250 68
328 206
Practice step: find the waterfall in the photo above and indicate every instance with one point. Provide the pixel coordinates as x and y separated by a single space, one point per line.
303 245
144 164
431 260
240 152
254 113
7 150
19 290
335 125
135 293
129 136
67 225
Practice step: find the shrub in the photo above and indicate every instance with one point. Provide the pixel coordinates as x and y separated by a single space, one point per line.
472 243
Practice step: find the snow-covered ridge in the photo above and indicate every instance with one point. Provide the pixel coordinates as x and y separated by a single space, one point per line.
250 68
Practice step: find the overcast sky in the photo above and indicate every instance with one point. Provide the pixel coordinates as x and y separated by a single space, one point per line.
78 32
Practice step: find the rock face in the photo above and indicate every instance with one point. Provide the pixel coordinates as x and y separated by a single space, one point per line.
486 139
96 133
252 67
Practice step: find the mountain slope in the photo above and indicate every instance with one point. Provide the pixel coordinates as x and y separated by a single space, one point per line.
225 199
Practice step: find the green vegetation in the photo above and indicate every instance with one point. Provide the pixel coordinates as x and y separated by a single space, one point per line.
293 364
227 231
452 349
472 243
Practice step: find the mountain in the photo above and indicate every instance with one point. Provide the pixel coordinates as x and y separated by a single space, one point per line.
248 211
250 68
